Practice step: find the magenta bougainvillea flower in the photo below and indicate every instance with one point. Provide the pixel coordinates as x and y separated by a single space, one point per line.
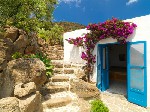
84 56
114 28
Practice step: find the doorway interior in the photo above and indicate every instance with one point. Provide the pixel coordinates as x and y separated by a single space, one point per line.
117 59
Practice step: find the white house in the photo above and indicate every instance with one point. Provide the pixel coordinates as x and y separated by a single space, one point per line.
129 63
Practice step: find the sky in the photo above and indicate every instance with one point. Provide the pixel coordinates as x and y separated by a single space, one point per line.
95 11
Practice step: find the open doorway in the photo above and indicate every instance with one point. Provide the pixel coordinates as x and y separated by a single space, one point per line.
122 69
117 56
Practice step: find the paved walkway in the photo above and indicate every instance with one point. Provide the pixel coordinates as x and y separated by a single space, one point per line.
118 103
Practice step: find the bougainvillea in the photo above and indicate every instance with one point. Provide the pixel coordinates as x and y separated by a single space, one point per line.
114 28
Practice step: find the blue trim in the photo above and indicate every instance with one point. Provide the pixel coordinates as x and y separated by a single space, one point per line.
109 43
136 90
145 64
141 67
128 67
98 84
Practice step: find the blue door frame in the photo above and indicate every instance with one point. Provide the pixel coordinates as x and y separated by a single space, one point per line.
135 95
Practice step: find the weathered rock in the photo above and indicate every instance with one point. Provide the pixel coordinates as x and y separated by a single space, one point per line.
41 42
27 70
21 43
84 89
24 89
9 104
32 103
80 73
7 85
22 32
6 48
1 82
12 33
30 49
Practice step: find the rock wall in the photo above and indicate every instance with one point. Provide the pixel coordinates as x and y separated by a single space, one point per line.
16 40
22 71
20 79
55 52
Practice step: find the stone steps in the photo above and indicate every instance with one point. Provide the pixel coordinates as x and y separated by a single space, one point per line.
57 63
56 102
71 76
68 71
56 88
60 79
65 70
58 70
58 83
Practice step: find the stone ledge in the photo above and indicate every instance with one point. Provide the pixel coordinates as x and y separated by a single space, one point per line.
60 79
57 102
57 88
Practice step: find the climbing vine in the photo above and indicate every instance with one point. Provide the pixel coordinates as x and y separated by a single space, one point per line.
114 28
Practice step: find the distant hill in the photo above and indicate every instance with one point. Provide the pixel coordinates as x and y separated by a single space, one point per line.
70 26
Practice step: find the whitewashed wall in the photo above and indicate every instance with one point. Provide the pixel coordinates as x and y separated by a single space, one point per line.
142 33
72 54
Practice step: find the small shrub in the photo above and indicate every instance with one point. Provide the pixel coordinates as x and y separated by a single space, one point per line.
98 106
44 59
17 55
52 36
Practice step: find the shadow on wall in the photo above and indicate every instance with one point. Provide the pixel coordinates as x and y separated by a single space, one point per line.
75 55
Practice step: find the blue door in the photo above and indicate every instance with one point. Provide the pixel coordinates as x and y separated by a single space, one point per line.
99 82
102 68
137 73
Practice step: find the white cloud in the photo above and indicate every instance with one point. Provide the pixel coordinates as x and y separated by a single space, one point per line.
131 2
76 2
70 1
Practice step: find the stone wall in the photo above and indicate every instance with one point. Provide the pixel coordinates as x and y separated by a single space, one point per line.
16 76
55 52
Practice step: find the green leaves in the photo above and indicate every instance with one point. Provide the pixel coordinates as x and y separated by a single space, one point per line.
98 106
17 55
46 61
52 36
26 14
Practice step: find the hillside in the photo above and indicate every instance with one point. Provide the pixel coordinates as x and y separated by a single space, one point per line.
70 26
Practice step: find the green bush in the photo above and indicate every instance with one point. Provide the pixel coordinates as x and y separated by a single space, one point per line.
52 36
26 14
17 55
44 59
98 106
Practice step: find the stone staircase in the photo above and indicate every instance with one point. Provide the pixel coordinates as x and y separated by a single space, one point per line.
58 94
58 97
56 85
